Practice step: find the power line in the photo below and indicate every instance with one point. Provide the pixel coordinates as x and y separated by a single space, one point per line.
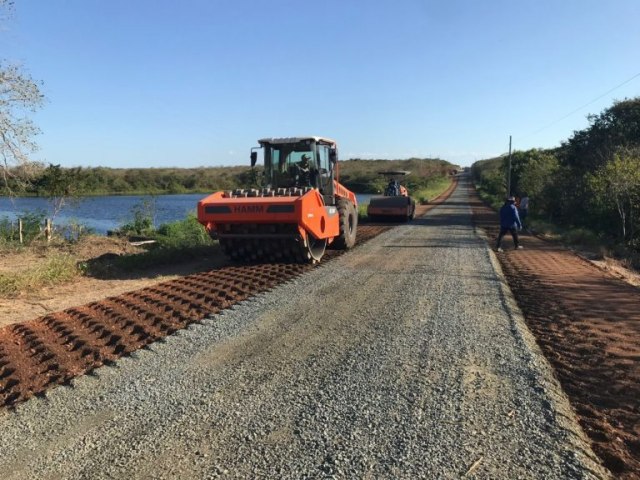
581 107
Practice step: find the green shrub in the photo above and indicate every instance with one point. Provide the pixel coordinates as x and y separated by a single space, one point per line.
581 236
362 211
142 215
181 240
31 227
73 231
183 233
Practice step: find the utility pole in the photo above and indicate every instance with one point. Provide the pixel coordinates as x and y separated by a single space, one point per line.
509 172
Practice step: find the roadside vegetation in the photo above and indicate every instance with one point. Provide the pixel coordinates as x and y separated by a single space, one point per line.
58 260
585 192
431 190
171 242
58 183
75 251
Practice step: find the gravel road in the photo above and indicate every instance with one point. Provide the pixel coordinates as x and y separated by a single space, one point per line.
405 358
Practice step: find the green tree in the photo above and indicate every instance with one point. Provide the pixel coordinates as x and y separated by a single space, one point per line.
616 128
617 185
536 177
59 185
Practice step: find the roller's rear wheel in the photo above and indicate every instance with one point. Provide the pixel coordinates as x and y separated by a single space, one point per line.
348 225
412 211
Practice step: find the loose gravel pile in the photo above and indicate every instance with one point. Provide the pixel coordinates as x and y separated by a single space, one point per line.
405 358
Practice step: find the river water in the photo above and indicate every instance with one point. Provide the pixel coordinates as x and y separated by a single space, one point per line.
111 211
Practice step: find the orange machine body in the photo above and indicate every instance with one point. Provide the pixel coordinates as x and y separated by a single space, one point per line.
300 209
220 213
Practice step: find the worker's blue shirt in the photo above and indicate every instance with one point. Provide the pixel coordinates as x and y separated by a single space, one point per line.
509 217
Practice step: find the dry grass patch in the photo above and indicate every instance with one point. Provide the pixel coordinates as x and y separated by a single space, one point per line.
56 268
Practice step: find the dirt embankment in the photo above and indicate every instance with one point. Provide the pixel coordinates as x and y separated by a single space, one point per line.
42 300
587 322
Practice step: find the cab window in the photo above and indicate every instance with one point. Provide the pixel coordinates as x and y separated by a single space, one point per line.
323 159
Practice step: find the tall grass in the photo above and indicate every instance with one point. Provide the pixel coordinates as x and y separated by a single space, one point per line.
57 268
435 187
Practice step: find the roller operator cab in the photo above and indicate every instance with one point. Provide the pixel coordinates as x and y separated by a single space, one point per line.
298 210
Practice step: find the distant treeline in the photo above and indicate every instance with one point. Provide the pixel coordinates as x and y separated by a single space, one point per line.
55 181
362 176
592 180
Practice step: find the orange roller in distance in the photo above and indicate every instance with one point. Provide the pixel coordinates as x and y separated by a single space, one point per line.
395 204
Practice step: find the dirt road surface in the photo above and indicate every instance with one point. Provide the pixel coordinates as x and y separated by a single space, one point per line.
405 358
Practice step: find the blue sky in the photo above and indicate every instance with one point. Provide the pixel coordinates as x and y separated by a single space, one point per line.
156 83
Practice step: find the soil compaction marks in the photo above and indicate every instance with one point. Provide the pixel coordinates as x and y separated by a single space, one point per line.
588 326
53 349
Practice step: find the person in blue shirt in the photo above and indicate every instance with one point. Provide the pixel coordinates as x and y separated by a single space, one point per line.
509 222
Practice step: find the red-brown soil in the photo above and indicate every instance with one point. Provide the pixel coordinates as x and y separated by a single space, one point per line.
42 300
587 323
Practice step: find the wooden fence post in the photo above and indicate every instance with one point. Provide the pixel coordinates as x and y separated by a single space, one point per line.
47 229
20 229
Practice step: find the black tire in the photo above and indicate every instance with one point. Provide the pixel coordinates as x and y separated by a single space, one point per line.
348 225
412 209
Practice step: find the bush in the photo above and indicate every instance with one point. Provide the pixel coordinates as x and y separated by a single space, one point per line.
31 227
362 212
183 233
581 236
181 240
142 222
74 231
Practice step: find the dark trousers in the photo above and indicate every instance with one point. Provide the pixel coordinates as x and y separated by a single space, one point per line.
503 232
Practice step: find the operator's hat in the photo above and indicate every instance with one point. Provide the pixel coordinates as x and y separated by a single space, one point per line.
306 157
